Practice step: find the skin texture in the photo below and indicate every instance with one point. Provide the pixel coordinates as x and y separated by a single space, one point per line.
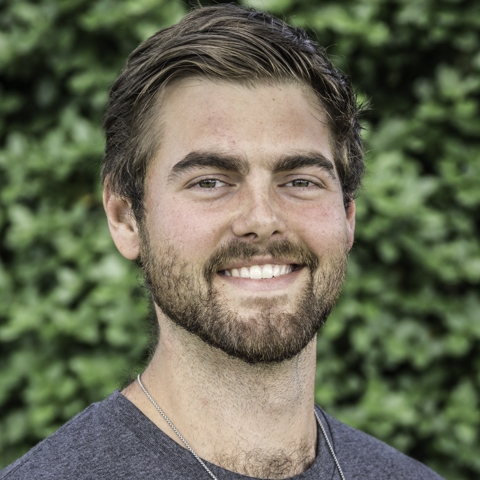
256 419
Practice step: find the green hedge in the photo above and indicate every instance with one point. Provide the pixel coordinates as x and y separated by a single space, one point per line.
400 356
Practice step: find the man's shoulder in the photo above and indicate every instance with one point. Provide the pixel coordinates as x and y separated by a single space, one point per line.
363 456
85 439
111 440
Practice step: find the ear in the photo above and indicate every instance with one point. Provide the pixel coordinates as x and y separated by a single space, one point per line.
350 217
122 224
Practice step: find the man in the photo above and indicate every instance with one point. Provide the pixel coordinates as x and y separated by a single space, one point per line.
233 156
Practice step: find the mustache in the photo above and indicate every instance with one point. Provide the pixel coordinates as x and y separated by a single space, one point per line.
240 250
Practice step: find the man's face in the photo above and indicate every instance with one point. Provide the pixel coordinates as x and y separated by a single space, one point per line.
245 237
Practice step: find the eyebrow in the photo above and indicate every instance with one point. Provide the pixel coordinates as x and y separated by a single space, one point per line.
205 160
208 160
310 159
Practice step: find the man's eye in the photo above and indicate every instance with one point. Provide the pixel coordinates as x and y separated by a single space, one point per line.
210 183
300 183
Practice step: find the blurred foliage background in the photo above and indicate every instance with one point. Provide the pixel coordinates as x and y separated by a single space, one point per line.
400 356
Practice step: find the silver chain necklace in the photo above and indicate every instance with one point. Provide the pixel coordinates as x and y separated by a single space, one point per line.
201 461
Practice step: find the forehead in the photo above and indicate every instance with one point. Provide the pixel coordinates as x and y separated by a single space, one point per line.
258 123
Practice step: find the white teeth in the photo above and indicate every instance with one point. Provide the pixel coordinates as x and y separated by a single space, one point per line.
267 271
244 273
255 272
259 271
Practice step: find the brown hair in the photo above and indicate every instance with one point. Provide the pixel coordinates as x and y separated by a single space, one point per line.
230 43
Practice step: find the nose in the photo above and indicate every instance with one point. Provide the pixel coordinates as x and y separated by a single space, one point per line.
259 217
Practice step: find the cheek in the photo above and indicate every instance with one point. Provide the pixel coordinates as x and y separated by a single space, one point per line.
190 229
322 228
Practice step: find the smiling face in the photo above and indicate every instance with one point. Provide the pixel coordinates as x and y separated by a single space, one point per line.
245 237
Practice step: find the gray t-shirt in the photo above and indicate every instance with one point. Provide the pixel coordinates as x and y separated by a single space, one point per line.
114 440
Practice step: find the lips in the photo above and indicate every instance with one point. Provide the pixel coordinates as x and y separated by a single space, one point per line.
258 272
253 266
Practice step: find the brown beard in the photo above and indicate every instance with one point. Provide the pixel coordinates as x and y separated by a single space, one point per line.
190 300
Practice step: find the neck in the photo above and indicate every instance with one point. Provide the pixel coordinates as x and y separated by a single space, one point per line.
245 418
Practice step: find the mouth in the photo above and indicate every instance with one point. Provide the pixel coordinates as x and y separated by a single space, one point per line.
260 272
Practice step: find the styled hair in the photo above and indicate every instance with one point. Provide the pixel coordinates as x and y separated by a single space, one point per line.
222 43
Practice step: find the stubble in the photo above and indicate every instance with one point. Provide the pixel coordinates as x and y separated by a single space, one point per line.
188 297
